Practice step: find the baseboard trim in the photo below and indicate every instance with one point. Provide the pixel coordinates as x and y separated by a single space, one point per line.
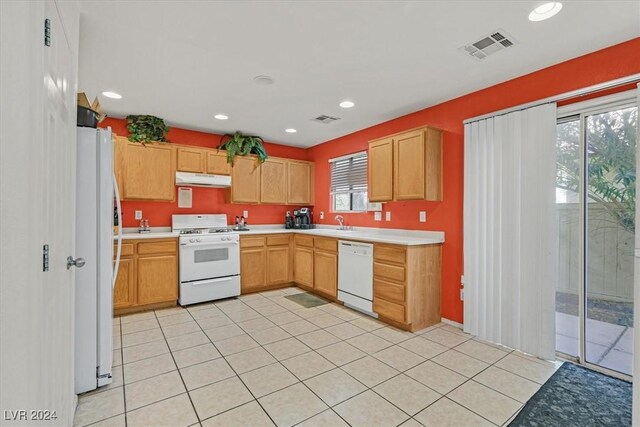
452 323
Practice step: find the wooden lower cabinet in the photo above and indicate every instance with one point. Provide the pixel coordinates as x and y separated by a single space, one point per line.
147 275
325 277
265 262
278 265
157 279
124 289
406 285
303 266
252 269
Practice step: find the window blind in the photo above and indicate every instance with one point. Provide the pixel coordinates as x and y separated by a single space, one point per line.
349 174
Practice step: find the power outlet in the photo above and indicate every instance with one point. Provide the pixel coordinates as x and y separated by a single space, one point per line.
461 294
423 216
138 215
321 215
387 216
377 216
245 214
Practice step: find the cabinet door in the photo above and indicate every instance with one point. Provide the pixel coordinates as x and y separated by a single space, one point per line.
190 159
157 279
123 291
273 181
380 165
245 180
148 172
300 182
303 266
409 166
277 265
325 267
252 269
217 163
433 165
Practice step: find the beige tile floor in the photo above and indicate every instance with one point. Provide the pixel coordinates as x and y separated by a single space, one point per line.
263 360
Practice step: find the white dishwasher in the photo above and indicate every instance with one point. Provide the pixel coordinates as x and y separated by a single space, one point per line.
355 275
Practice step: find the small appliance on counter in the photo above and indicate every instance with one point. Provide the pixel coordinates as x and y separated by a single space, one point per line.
241 224
302 219
288 221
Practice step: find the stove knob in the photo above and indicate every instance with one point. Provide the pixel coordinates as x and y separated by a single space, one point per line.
192 240
198 240
226 238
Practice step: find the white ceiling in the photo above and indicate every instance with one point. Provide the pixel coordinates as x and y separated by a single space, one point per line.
186 61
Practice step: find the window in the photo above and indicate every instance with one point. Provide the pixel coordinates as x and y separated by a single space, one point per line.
349 183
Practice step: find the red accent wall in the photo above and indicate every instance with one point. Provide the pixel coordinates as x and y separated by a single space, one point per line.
205 200
614 62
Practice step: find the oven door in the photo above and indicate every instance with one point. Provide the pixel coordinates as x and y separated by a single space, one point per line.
206 260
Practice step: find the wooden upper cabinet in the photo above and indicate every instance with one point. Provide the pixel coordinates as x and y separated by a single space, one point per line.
380 170
245 180
217 163
273 181
300 182
190 159
409 166
406 166
145 172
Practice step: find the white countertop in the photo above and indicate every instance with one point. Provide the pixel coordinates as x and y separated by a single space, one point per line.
369 234
379 235
156 233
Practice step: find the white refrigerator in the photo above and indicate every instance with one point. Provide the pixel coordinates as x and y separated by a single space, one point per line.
95 190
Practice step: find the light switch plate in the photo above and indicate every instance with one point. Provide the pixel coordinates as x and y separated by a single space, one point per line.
138 215
245 214
423 216
377 216
387 216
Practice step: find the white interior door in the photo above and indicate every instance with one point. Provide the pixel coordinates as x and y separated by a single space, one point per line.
38 201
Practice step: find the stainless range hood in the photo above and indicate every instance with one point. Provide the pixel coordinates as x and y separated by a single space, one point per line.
188 179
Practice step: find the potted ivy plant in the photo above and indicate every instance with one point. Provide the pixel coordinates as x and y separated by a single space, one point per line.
145 128
238 144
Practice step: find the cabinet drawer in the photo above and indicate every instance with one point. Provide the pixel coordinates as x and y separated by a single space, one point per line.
304 241
281 239
390 254
251 241
326 244
388 309
387 271
127 250
167 246
389 291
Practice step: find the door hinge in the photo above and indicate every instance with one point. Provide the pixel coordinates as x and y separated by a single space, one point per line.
45 257
47 32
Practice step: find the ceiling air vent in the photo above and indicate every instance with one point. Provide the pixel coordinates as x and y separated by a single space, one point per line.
325 119
489 44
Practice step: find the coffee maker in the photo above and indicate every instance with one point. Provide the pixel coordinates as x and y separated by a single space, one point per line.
302 219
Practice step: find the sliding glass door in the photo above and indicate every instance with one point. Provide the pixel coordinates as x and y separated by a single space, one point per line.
595 199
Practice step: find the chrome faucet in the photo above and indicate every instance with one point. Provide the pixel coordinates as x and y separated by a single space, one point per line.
340 220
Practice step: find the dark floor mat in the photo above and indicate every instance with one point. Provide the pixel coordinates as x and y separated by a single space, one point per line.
577 396
307 300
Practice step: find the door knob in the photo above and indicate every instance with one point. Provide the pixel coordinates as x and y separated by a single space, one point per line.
78 262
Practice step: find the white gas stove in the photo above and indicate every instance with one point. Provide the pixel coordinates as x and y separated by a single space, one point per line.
209 258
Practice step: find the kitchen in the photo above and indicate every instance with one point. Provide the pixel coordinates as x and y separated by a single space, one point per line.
279 245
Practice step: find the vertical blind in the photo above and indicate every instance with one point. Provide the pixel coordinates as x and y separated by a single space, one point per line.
349 174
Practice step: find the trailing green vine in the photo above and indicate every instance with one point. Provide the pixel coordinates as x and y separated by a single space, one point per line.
238 144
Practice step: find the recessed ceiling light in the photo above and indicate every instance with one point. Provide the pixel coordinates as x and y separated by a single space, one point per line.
263 80
290 130
112 95
347 104
545 11
221 117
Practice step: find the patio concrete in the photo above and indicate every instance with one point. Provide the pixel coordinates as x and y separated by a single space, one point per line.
608 345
